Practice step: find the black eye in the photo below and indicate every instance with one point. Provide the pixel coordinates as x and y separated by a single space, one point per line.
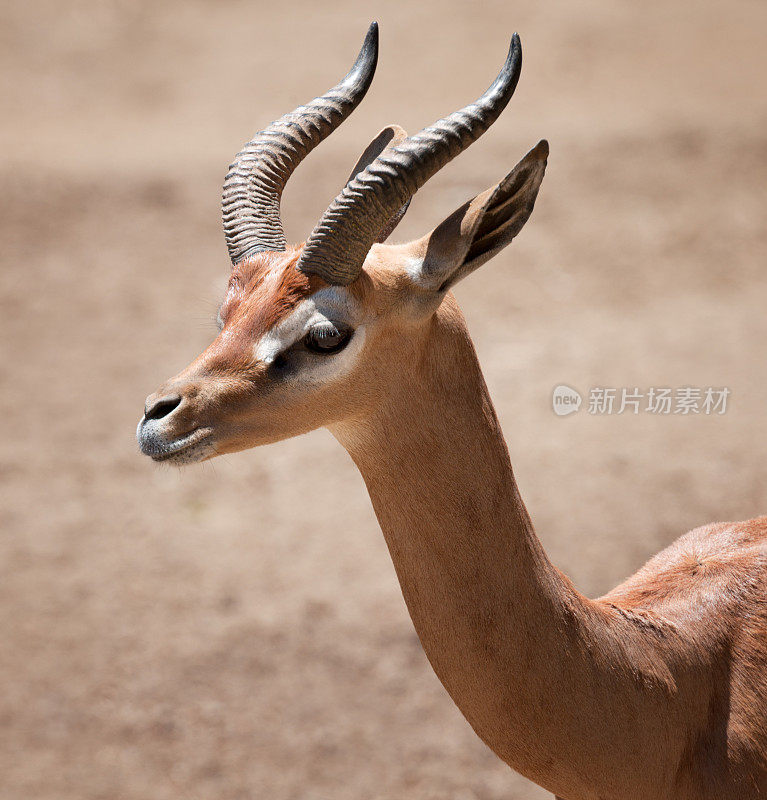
325 337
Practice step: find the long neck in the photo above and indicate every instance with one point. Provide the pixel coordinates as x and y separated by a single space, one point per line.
504 631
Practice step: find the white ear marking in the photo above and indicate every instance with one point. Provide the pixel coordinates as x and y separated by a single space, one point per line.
413 266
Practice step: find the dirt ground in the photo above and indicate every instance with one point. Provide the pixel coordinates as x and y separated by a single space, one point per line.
235 630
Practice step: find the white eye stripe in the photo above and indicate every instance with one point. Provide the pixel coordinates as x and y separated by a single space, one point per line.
331 304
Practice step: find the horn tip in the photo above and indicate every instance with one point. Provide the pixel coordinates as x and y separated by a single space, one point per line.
512 67
364 67
371 37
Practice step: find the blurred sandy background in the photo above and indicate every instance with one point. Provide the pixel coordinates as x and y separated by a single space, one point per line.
235 630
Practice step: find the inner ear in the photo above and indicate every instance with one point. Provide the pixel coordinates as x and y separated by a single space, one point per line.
389 137
479 229
508 209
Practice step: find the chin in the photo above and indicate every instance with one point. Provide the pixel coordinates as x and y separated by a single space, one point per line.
194 454
197 445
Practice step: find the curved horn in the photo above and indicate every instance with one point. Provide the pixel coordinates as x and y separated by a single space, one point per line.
253 186
342 238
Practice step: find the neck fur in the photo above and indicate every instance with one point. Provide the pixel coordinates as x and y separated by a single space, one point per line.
525 657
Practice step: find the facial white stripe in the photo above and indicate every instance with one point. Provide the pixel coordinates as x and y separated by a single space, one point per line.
332 304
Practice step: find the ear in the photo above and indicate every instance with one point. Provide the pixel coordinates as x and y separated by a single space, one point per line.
389 137
479 229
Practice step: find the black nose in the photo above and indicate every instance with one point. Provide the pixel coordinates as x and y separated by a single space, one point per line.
161 406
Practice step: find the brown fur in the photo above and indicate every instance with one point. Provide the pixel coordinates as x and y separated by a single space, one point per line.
261 292
264 302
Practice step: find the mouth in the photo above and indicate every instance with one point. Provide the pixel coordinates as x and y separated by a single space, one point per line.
194 446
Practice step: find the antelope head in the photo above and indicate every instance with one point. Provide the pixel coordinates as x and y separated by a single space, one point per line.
318 333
